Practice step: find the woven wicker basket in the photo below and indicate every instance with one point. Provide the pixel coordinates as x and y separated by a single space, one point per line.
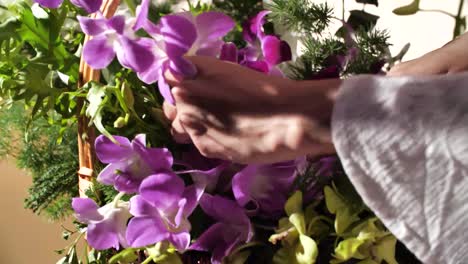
87 135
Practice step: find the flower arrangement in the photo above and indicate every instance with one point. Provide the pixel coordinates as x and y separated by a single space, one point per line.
156 201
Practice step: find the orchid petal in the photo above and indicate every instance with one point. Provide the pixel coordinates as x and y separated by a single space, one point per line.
90 6
100 236
139 207
92 26
193 195
213 25
164 87
266 186
108 152
223 209
210 238
49 3
229 52
179 34
259 21
183 67
142 15
98 52
162 190
224 249
152 73
139 140
253 28
86 210
134 54
117 23
126 183
108 175
158 159
144 231
275 50
180 241
210 48
259 66
247 54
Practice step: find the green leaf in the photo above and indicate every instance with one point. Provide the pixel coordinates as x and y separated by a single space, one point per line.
96 100
332 200
371 2
306 251
409 9
238 258
38 33
294 203
344 219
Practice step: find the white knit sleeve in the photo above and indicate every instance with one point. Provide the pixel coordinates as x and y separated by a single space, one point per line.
404 144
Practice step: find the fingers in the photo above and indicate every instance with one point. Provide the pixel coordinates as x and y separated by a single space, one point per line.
177 130
170 111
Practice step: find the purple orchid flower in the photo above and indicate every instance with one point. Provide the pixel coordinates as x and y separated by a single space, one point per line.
161 210
176 36
324 170
106 225
130 162
264 52
114 37
204 172
264 189
89 6
232 229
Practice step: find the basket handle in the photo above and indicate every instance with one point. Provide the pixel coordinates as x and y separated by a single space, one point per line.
86 133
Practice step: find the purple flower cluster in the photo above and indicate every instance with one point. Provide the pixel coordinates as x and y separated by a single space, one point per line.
263 52
89 6
161 201
158 211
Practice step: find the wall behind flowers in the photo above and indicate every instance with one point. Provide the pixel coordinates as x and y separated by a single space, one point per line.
30 239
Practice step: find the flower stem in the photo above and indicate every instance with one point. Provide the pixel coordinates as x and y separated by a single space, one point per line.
117 198
147 260
460 21
438 11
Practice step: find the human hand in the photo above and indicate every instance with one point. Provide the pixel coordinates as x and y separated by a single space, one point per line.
234 113
451 58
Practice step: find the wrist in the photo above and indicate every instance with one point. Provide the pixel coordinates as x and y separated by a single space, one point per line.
310 106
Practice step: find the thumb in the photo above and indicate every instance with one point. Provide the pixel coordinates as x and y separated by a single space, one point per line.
171 78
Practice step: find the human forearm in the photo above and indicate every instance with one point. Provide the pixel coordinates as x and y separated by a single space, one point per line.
310 104
451 58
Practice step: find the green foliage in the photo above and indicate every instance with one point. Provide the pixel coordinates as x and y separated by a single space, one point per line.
302 15
37 56
321 51
240 11
52 165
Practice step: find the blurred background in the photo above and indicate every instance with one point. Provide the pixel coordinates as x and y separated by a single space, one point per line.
27 238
